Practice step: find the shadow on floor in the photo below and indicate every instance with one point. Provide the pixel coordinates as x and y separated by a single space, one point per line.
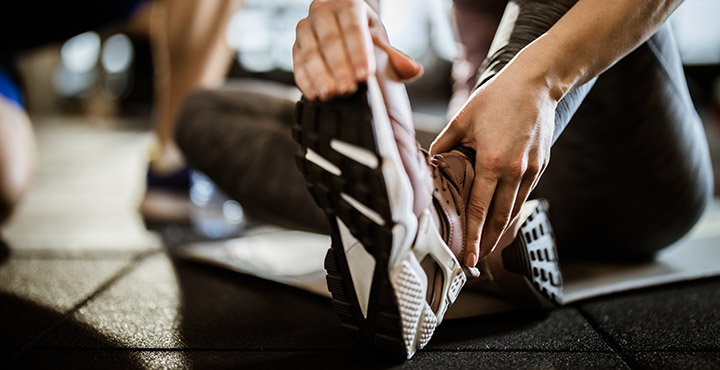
4 251
226 320
26 322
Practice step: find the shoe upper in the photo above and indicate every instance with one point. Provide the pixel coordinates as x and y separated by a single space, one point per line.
453 175
443 181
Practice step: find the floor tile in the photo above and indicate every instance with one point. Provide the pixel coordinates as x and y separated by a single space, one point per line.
320 360
86 191
36 293
561 330
682 316
676 360
174 304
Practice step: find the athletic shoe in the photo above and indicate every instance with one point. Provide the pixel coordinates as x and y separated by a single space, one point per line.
358 162
397 217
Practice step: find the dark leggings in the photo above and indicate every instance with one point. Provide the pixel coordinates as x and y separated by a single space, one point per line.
630 170
239 136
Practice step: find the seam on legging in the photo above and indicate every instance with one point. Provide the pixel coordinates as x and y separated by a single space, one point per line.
660 62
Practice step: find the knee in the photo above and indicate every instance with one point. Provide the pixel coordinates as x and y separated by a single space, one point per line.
632 229
661 225
194 111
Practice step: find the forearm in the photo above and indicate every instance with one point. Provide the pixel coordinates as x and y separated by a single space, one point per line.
590 38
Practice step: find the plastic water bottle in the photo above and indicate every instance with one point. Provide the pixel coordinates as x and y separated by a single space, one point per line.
213 215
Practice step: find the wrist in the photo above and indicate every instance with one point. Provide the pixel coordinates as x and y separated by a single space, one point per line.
547 66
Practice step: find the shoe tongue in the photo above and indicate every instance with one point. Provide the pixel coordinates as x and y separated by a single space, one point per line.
459 170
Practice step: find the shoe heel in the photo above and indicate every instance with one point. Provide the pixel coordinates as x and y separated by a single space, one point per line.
429 243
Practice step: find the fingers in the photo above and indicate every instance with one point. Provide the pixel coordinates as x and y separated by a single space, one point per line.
476 211
311 74
448 138
355 20
334 52
532 176
500 204
333 48
499 216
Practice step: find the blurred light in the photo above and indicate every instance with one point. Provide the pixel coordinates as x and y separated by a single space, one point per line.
249 33
201 192
80 53
697 30
69 83
407 25
117 53
443 37
285 36
263 33
233 212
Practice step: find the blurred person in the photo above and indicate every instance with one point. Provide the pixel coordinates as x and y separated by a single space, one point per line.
630 174
188 50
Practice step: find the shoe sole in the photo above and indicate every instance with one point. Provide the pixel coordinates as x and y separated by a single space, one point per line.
528 270
353 171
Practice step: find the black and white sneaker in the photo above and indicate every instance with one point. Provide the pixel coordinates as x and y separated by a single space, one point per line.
383 295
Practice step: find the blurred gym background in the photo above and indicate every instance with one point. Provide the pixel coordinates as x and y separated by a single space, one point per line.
109 73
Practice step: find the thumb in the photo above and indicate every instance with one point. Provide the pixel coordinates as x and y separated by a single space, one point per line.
447 139
405 66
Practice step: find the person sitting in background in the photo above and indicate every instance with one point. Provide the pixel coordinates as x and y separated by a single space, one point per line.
189 52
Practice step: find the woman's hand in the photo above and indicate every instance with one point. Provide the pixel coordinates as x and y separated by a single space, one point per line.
333 49
509 121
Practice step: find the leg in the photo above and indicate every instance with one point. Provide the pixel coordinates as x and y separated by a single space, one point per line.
633 162
190 52
248 152
475 25
635 165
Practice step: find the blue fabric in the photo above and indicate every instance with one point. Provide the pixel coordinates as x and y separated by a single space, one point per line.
9 89
178 180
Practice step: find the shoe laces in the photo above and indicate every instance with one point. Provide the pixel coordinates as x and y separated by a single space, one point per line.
439 167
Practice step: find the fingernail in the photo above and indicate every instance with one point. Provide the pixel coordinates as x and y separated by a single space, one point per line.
361 73
322 91
471 259
346 88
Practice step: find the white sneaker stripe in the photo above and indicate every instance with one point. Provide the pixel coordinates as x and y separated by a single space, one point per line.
323 163
365 210
361 265
359 154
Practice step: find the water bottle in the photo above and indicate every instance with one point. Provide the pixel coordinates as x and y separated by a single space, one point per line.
212 214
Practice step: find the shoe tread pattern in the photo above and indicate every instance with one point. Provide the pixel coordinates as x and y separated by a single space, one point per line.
350 120
533 254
